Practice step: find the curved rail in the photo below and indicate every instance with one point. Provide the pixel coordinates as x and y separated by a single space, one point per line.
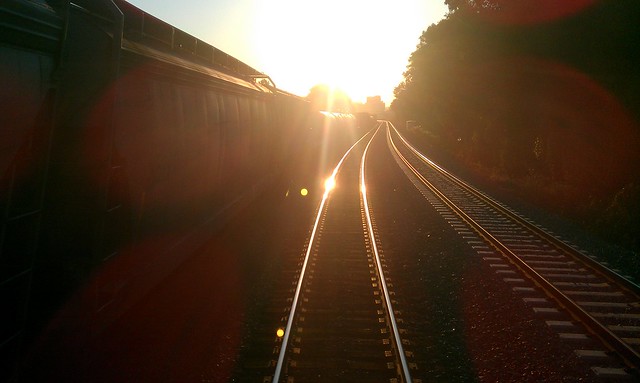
604 334
404 373
603 270
296 296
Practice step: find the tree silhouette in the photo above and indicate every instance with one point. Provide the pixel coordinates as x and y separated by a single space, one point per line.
552 95
325 98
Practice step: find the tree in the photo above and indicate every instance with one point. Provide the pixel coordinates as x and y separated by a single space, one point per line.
325 98
530 93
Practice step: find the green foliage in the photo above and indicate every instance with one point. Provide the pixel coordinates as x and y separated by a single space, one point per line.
553 98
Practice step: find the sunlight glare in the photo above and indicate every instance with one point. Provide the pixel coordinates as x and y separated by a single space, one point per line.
329 184
360 46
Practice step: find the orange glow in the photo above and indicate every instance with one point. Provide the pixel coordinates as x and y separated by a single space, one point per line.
280 333
329 184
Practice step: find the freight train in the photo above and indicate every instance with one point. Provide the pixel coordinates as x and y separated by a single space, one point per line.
124 142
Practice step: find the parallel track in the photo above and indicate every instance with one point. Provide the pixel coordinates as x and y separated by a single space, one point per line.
604 302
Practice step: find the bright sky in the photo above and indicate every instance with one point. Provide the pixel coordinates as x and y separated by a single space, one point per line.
359 46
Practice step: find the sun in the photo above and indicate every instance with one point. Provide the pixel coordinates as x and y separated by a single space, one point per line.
309 48
361 47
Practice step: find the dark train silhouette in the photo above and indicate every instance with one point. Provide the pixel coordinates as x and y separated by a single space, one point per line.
124 142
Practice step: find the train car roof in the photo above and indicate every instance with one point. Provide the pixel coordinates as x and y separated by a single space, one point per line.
147 35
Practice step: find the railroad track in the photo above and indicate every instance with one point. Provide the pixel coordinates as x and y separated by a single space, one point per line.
552 276
341 325
379 295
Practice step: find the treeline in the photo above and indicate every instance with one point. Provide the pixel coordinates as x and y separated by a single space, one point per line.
539 95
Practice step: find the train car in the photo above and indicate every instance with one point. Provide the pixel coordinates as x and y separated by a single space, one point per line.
124 142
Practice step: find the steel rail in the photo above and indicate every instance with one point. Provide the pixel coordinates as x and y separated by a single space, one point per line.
630 356
296 296
405 374
600 269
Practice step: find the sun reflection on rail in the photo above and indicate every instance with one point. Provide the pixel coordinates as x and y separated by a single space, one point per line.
330 183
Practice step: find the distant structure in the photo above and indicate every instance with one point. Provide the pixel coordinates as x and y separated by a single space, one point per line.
373 106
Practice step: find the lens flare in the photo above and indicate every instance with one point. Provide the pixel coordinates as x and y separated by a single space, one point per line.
304 192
